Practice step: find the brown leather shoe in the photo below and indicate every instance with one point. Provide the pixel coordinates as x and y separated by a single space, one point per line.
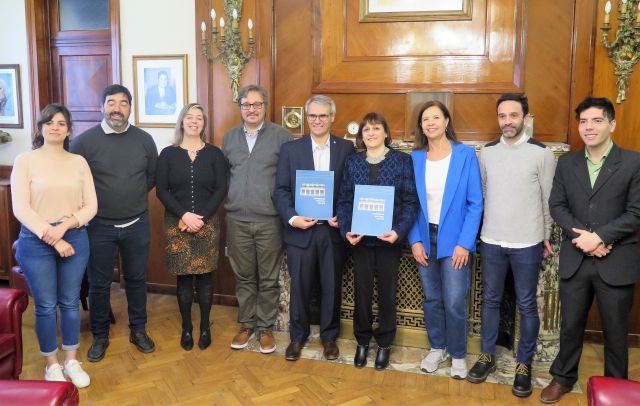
293 351
241 340
331 350
267 342
553 392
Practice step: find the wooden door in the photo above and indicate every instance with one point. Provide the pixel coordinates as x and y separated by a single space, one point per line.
74 49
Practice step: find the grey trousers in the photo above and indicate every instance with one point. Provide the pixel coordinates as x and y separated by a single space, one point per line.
255 251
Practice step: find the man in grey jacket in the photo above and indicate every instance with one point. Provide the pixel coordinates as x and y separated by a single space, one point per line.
254 231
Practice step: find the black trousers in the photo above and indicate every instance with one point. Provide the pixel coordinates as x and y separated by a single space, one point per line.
383 262
325 258
614 303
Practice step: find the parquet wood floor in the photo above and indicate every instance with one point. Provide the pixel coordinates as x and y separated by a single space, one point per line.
221 376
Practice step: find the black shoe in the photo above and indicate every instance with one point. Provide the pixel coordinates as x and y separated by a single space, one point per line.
485 365
382 358
142 341
186 340
205 339
360 359
522 382
98 349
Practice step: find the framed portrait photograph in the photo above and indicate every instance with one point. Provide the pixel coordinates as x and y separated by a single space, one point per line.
10 98
160 89
414 10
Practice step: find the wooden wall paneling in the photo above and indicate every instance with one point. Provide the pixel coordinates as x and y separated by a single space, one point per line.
604 85
585 40
293 71
425 55
158 279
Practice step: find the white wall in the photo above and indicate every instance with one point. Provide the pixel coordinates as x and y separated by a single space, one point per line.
145 29
13 50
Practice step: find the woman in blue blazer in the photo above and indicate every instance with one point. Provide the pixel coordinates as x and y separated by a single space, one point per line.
450 194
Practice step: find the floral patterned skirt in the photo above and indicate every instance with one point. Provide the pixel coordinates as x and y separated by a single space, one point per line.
192 253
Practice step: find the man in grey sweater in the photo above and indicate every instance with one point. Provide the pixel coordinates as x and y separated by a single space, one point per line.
122 159
254 231
517 174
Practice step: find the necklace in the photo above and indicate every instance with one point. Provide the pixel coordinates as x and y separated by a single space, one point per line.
193 153
377 159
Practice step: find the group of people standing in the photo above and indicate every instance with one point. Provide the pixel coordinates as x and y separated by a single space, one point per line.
444 198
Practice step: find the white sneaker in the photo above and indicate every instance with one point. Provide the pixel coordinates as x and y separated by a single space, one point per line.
458 368
434 358
54 373
77 375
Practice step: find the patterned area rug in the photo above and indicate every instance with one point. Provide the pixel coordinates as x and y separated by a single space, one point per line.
407 359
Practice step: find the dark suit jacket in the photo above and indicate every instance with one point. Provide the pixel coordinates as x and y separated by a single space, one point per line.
297 154
611 209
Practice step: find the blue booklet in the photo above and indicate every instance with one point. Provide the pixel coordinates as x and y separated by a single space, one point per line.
314 194
372 210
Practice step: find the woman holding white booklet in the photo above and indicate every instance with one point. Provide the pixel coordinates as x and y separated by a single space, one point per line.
378 255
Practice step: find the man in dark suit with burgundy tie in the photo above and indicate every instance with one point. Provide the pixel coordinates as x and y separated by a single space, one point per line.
314 247
595 199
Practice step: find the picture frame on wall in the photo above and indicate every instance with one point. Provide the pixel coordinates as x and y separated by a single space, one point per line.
414 10
160 89
10 97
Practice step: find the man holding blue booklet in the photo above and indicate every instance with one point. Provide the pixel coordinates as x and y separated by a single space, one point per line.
314 246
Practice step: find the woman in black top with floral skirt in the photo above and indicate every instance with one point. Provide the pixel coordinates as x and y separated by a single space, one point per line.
191 182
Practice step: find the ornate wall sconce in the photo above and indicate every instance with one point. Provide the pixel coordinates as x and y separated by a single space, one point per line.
229 44
624 51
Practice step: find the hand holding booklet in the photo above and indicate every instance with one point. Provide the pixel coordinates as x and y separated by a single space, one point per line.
314 194
372 210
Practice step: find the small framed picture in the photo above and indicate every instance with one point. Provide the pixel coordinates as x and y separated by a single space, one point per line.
10 97
160 89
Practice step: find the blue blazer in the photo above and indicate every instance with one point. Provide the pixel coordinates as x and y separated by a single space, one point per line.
462 202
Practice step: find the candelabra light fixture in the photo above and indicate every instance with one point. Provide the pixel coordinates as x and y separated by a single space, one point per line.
227 47
624 51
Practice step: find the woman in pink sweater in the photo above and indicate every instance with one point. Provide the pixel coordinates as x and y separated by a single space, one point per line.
53 198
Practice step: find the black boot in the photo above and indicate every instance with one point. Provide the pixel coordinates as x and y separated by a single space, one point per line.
485 365
186 340
360 359
382 358
522 381
205 339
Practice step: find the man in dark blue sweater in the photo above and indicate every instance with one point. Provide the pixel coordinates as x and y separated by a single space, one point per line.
122 159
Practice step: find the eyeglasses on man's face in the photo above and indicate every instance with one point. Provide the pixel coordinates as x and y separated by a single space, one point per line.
321 117
256 106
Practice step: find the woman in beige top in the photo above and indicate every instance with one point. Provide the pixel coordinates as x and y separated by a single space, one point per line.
53 198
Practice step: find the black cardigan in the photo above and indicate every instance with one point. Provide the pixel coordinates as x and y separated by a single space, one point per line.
185 186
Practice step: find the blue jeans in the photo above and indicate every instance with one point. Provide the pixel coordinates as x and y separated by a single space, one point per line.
55 284
445 304
525 265
133 243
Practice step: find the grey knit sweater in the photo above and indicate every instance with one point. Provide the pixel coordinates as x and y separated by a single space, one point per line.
516 182
253 175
